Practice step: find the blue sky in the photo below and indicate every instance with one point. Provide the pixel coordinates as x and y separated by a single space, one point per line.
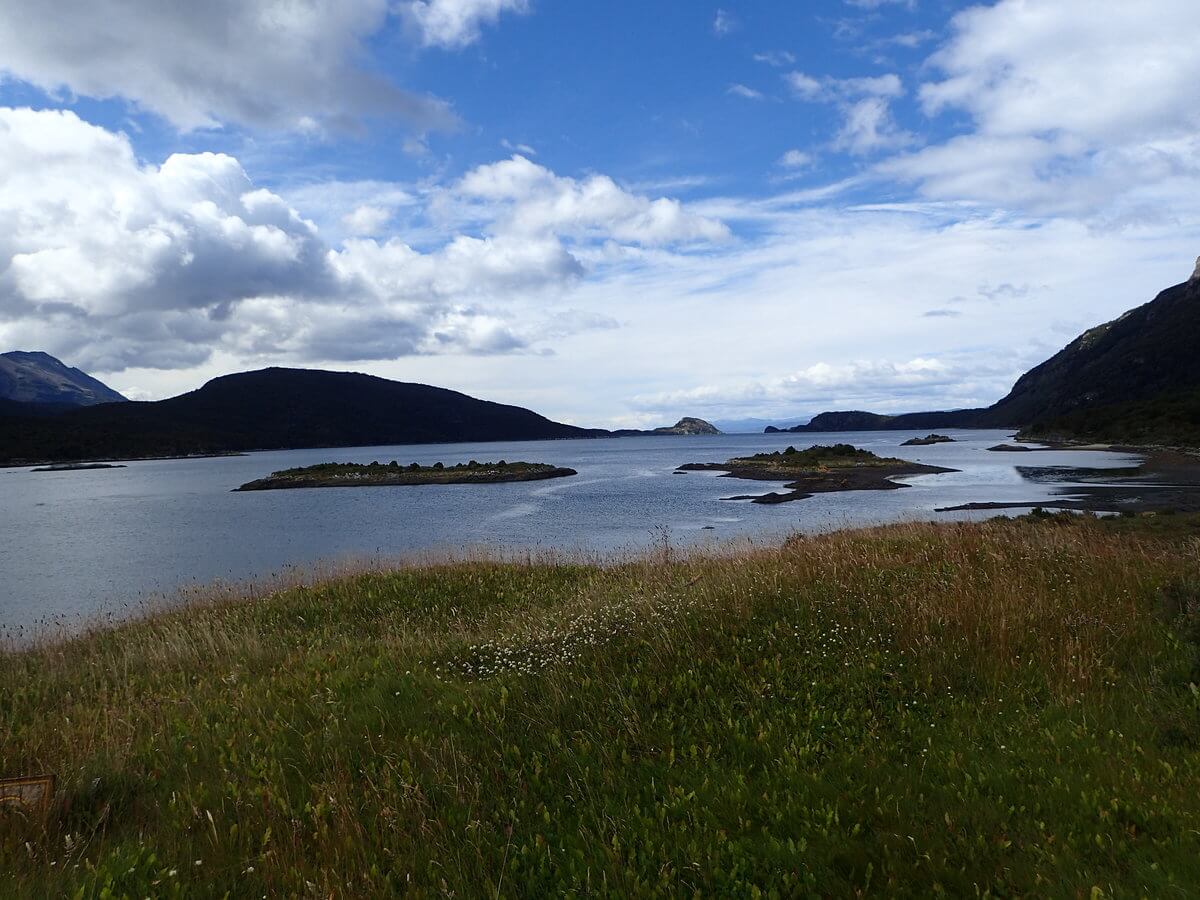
614 213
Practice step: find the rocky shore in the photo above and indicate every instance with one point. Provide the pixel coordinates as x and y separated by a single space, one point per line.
817 470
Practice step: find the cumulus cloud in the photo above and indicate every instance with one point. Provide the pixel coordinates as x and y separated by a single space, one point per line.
273 63
118 264
456 23
366 220
520 197
1072 112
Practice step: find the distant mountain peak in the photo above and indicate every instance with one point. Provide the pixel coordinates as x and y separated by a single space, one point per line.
33 376
1196 274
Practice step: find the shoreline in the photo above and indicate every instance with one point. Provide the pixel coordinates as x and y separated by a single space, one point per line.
385 478
804 485
78 463
1166 480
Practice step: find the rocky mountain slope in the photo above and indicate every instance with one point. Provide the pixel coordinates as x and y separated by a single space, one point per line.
1144 355
33 377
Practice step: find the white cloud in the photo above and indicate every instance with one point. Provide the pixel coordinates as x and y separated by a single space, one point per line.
1022 68
805 86
523 149
876 4
117 264
868 125
740 90
821 384
518 196
909 39
724 22
366 220
1073 112
274 63
456 23
777 58
795 159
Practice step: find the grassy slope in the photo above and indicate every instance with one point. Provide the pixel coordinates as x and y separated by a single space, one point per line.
994 709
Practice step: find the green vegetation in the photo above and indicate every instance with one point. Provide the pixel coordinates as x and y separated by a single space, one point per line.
1172 419
821 456
996 709
380 474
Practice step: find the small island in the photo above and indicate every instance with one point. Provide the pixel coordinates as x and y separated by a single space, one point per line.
1010 448
819 469
689 425
393 474
929 439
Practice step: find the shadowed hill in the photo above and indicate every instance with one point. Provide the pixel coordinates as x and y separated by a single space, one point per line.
273 409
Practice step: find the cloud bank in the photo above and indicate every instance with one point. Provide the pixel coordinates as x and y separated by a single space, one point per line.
298 65
118 264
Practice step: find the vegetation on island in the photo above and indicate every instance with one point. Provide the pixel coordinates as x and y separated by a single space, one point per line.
378 474
928 440
819 456
817 469
998 709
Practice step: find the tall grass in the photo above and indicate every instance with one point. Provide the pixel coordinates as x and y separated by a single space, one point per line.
994 709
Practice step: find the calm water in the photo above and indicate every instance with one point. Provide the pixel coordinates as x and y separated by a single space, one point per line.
80 543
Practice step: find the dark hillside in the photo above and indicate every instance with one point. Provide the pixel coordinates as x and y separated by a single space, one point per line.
274 409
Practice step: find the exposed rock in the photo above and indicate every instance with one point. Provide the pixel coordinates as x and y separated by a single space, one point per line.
689 425
928 439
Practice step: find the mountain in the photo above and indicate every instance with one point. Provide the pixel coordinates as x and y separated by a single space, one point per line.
274 409
753 425
688 425
32 377
857 420
1134 379
1146 355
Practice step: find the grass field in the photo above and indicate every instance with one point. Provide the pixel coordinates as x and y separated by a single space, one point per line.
999 709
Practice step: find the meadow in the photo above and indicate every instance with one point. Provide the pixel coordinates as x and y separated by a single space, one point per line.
999 709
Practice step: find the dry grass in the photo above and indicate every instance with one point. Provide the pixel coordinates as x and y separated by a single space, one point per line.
999 708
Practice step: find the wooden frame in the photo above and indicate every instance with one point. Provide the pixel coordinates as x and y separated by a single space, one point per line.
33 793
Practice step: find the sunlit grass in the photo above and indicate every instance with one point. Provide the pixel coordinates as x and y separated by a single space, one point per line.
999 709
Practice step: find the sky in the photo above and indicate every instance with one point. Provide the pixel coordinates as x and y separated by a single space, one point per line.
616 213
